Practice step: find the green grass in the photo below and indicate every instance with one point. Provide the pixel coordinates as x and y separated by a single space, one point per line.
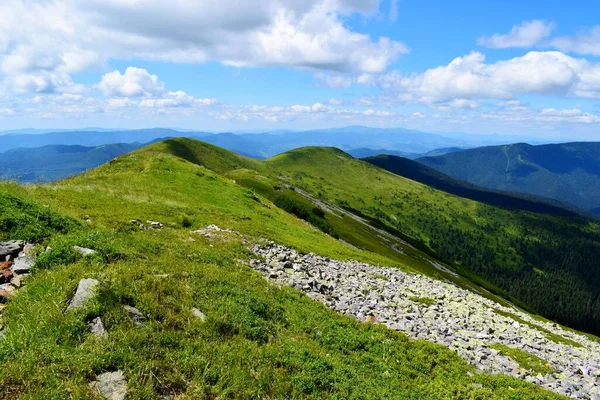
500 249
258 341
524 359
426 301
549 334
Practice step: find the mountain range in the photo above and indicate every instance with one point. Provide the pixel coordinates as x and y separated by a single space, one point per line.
567 172
266 144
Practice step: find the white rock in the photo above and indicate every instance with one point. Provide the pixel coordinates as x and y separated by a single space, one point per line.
198 314
97 327
85 291
84 251
135 315
110 385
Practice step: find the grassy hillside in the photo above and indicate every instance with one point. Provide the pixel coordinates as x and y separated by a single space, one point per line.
48 163
258 341
567 172
527 255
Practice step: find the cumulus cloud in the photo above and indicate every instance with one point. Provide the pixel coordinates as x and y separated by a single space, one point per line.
526 34
470 77
135 82
68 36
584 43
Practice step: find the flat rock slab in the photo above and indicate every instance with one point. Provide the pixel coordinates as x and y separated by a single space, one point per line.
135 315
23 264
85 291
11 248
97 327
84 251
110 385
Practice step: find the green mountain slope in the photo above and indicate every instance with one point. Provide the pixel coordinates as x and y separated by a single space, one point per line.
515 254
527 255
258 341
48 163
421 173
567 172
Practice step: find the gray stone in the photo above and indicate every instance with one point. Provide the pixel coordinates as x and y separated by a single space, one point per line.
97 327
198 314
84 251
23 265
85 291
110 385
135 315
11 248
462 320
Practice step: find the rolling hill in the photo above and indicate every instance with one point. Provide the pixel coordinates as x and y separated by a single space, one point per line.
151 216
568 172
515 254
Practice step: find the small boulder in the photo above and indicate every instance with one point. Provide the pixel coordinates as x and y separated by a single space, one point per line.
7 291
17 281
6 276
23 265
11 248
198 314
5 265
85 291
135 315
110 385
84 251
97 327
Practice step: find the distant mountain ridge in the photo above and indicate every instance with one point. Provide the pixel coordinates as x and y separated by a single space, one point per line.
264 145
366 152
54 162
88 138
568 172
421 173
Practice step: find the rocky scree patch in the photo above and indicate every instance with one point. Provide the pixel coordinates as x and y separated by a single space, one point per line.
423 308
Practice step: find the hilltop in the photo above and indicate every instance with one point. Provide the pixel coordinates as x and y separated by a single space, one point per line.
210 326
568 172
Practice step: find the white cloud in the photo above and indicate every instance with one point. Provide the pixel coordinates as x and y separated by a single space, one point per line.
513 111
585 43
470 77
68 36
135 82
333 80
572 115
335 102
526 34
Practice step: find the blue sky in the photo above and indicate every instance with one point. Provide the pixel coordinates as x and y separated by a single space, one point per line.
530 68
